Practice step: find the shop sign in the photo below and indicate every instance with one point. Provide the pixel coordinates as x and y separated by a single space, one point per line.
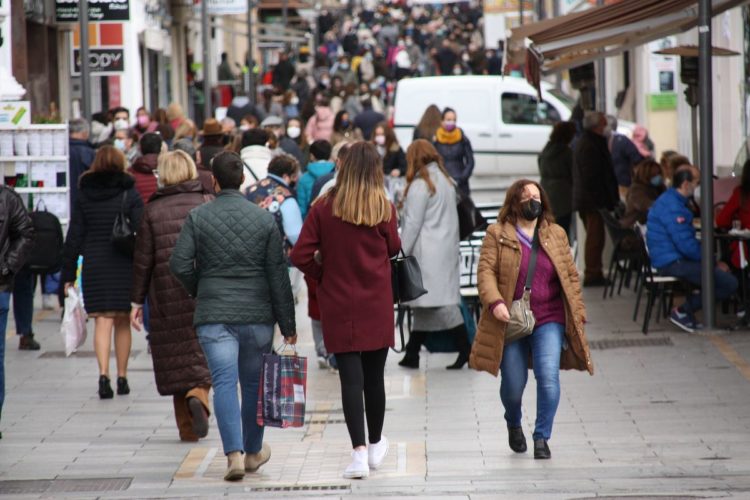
224 7
15 114
101 61
99 10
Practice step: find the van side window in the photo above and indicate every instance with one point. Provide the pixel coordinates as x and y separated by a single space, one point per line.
524 109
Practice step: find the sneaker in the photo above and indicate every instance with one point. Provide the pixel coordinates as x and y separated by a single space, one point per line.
253 461
377 452
322 362
683 320
27 343
49 302
358 469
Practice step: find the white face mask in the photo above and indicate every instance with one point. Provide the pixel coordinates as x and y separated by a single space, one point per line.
294 101
121 124
380 140
293 132
244 128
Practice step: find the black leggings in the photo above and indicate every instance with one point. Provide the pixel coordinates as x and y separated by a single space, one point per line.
363 372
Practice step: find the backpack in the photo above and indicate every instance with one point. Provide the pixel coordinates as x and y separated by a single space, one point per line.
47 253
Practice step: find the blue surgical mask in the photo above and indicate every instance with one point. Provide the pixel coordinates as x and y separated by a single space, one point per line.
657 181
120 144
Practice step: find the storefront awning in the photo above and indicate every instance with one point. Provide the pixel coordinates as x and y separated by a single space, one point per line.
560 43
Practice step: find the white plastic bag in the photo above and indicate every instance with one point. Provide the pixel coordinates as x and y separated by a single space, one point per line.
73 328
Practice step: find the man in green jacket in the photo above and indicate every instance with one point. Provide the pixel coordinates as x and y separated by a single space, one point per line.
229 257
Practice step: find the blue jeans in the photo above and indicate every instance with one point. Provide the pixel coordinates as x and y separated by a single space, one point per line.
725 284
236 352
4 306
545 345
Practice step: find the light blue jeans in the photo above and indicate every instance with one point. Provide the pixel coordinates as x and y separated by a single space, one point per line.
4 306
545 346
235 352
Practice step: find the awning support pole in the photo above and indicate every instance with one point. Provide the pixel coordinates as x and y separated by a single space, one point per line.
206 40
83 17
706 162
601 83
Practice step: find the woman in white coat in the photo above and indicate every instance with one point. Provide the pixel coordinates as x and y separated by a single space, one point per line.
429 231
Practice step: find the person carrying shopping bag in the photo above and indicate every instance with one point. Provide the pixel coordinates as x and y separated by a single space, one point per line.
346 244
526 241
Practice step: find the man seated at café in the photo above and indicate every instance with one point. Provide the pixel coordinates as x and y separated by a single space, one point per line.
675 250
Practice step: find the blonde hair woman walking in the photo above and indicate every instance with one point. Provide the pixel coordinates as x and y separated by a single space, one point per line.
345 246
179 364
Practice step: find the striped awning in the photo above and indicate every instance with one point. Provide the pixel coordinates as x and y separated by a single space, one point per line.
569 41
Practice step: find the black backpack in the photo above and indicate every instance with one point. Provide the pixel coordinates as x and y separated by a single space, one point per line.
47 253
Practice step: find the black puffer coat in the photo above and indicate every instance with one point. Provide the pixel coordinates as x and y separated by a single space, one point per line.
458 159
107 274
179 364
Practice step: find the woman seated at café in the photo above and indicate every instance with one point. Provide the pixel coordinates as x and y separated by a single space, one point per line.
647 186
737 208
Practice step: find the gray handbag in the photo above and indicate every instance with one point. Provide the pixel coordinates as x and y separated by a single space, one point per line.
522 321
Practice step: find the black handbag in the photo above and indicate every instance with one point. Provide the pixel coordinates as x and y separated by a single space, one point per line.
406 281
470 219
123 234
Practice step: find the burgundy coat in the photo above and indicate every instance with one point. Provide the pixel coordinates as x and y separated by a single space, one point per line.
354 282
179 363
144 171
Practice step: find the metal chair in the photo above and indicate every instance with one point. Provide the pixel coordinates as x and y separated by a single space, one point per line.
624 260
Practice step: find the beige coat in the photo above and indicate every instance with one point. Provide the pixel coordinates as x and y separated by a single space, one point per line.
497 274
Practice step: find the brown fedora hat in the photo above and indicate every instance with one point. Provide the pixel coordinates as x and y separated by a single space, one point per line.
211 127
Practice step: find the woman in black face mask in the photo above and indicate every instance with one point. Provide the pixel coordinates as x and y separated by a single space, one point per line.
525 251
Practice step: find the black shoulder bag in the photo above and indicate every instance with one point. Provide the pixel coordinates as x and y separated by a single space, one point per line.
406 281
123 233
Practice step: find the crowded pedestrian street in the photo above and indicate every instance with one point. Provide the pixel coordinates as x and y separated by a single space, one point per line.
664 416
470 249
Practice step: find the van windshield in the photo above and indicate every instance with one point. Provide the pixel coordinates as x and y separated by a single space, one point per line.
569 102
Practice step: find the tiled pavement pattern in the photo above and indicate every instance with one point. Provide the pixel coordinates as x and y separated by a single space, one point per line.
670 420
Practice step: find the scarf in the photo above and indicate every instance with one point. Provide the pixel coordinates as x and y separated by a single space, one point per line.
445 137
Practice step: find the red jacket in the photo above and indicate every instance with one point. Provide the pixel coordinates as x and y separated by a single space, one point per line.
354 282
144 171
734 210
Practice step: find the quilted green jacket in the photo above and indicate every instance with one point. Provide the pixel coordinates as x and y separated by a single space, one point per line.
229 256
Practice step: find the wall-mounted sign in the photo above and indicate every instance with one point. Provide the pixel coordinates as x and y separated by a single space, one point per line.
101 61
223 7
99 10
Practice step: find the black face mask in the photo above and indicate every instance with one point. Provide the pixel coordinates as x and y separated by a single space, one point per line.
531 209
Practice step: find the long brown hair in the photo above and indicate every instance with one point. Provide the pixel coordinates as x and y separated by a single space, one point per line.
430 122
390 137
109 159
511 210
419 155
359 195
642 171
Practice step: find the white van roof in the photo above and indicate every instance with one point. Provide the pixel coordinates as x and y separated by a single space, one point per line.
414 95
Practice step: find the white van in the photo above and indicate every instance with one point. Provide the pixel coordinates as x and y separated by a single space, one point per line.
501 116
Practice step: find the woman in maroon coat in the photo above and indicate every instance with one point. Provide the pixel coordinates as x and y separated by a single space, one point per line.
345 245
179 364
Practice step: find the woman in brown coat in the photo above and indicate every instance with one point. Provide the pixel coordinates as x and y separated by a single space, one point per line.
179 365
558 340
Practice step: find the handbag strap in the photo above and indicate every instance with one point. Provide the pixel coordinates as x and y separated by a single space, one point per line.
124 201
532 262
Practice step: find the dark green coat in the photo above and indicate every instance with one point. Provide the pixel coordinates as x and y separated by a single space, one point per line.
229 256
556 169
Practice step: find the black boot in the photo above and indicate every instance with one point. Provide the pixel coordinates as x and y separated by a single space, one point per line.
462 342
105 389
411 358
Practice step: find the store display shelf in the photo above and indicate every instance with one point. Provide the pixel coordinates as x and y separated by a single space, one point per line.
7 159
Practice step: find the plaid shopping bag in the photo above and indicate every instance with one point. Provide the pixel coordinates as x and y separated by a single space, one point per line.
282 391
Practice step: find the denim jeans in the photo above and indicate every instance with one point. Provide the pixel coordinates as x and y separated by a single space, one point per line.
545 345
24 284
235 352
725 284
4 306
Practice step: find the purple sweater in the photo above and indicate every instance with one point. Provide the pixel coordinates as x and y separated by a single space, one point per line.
546 291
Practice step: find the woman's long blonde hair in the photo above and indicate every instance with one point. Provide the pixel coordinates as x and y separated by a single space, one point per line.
359 195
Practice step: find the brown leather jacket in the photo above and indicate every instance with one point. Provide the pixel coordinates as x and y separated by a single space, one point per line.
497 274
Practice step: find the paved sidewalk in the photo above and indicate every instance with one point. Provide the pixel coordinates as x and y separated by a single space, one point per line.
669 419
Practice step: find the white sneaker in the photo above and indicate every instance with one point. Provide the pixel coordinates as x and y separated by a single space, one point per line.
322 362
358 469
49 301
377 452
